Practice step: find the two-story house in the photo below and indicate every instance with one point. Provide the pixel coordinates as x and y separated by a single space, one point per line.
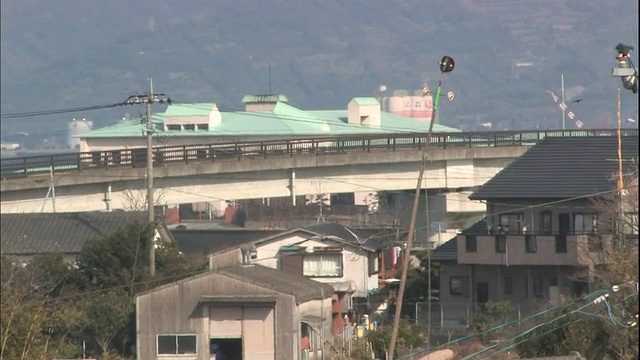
543 234
328 253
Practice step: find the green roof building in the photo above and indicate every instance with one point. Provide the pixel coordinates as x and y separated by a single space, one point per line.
266 117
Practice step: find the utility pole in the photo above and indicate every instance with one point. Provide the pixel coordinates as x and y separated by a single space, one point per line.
446 65
149 99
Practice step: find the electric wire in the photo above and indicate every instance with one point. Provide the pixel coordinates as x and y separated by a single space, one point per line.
503 325
577 311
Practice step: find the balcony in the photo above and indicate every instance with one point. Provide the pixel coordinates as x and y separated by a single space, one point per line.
532 249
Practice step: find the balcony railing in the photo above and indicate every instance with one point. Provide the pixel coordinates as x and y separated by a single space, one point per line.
136 158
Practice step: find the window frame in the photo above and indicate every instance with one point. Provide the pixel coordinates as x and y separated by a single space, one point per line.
461 280
340 268
538 287
501 244
177 343
518 221
586 227
174 127
530 244
471 243
561 244
546 230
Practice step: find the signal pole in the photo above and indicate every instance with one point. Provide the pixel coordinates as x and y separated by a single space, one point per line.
446 65
149 99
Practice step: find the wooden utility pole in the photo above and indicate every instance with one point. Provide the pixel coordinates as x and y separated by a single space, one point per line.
150 202
446 65
149 99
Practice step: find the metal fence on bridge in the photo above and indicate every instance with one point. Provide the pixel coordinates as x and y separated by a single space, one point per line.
136 158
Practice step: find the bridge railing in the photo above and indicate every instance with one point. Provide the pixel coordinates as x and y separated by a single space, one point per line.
136 158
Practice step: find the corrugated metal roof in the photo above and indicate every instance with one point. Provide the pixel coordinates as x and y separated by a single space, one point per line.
366 101
181 109
270 98
302 288
65 233
283 120
561 168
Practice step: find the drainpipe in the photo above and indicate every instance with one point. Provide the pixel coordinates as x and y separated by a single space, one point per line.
107 198
292 186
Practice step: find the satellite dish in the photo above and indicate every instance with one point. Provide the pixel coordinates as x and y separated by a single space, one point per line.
426 91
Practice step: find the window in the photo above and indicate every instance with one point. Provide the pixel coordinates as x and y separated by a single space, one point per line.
530 244
508 286
322 265
203 126
537 288
584 223
471 243
501 243
174 127
561 243
458 285
189 126
511 223
177 344
545 222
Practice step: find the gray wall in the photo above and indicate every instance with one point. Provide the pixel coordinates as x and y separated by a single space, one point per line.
175 309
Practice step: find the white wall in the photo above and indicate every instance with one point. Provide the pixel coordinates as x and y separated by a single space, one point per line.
355 262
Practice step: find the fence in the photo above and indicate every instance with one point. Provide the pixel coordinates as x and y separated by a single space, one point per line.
136 158
456 315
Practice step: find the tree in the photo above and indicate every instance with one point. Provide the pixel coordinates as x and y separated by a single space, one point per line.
410 336
107 313
36 311
119 259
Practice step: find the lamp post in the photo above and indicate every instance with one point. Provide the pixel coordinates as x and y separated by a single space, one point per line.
628 73
446 65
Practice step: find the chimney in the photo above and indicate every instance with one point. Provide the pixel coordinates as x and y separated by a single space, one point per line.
262 102
364 111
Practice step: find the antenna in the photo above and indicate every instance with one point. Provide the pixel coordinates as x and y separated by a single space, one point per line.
270 93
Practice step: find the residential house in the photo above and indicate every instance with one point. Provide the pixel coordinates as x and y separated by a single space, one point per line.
543 236
327 253
235 309
24 236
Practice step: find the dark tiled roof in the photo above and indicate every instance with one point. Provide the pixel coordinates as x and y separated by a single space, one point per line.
42 233
204 242
449 250
302 288
479 228
560 168
446 252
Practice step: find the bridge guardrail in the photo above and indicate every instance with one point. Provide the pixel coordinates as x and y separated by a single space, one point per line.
136 158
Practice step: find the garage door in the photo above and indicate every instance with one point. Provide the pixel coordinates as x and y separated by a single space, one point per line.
255 325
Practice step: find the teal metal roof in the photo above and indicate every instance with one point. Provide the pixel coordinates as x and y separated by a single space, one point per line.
270 98
366 101
202 109
283 120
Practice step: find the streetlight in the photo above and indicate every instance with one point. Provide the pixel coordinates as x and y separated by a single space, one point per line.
446 65
625 70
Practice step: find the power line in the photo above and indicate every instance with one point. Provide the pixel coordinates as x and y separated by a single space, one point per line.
59 111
